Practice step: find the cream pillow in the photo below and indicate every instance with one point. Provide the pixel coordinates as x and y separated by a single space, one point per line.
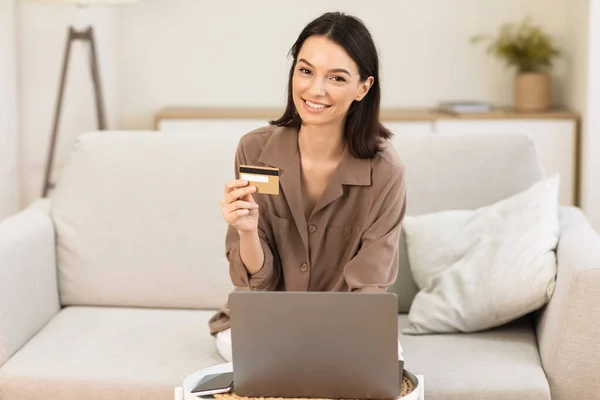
477 269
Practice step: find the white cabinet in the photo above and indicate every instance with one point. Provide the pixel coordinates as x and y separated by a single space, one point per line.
409 127
231 125
554 133
555 140
223 125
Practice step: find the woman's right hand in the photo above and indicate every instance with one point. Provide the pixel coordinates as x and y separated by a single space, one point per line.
238 206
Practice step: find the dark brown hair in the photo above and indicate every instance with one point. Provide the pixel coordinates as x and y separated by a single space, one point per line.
363 132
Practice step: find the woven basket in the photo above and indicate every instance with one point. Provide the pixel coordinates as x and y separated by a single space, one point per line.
406 388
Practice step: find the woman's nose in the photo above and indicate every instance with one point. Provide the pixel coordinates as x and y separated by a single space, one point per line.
317 88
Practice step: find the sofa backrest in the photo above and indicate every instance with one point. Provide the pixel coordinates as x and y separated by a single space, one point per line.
138 219
460 171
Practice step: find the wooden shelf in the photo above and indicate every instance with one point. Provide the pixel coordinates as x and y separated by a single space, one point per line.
388 114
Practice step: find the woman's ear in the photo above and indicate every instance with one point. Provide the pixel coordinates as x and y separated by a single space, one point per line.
364 87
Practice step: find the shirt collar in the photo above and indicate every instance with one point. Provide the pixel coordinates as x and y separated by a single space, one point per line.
281 150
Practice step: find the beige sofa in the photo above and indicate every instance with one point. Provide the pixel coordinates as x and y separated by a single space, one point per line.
107 287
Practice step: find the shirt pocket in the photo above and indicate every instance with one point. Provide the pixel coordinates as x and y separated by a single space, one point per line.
339 245
278 230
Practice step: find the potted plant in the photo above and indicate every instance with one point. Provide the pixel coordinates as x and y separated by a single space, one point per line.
530 50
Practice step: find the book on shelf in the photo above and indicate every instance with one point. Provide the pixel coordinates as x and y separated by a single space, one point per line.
465 107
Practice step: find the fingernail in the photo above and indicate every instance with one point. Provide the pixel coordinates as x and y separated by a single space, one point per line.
244 182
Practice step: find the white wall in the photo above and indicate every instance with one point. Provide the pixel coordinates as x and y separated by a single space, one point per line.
42 41
591 165
9 150
216 53
583 95
234 53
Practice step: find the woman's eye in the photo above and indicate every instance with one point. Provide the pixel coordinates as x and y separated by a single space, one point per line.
304 71
338 79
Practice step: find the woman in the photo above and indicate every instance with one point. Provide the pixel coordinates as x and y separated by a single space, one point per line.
335 225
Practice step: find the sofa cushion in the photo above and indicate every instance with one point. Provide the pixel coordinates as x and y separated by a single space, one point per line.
497 364
101 353
138 221
110 353
483 268
466 171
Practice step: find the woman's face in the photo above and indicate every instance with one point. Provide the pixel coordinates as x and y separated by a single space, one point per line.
325 82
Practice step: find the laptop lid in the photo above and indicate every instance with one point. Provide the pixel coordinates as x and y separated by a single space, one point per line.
315 344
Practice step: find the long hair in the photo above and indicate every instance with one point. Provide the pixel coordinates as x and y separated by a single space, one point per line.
363 132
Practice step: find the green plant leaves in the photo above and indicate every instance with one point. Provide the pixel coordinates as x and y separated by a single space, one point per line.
523 45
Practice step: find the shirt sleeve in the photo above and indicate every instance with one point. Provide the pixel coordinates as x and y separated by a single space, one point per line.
375 266
267 277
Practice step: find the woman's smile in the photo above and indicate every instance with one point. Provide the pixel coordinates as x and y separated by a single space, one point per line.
315 107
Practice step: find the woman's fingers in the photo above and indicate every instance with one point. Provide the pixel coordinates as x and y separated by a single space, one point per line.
232 216
239 205
236 194
231 185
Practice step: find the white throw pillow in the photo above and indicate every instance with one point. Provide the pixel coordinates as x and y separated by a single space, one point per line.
477 269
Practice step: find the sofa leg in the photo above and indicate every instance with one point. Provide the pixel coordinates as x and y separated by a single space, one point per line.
178 393
422 382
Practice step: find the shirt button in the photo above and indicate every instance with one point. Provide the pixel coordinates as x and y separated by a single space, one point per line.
312 228
304 267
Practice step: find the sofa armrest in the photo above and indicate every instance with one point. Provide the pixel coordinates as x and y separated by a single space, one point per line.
28 282
568 328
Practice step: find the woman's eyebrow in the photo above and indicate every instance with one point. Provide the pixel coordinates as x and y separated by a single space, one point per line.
332 70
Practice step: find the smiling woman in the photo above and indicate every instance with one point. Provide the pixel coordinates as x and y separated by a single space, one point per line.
335 224
334 80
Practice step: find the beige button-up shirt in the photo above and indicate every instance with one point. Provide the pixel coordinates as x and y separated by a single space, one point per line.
350 241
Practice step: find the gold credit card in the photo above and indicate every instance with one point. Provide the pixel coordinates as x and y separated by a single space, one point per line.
265 179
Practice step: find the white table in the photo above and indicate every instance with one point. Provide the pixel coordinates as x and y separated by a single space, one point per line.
184 392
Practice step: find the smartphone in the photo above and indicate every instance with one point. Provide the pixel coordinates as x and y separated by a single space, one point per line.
213 384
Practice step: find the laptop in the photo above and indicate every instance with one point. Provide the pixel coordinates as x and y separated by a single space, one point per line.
315 344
